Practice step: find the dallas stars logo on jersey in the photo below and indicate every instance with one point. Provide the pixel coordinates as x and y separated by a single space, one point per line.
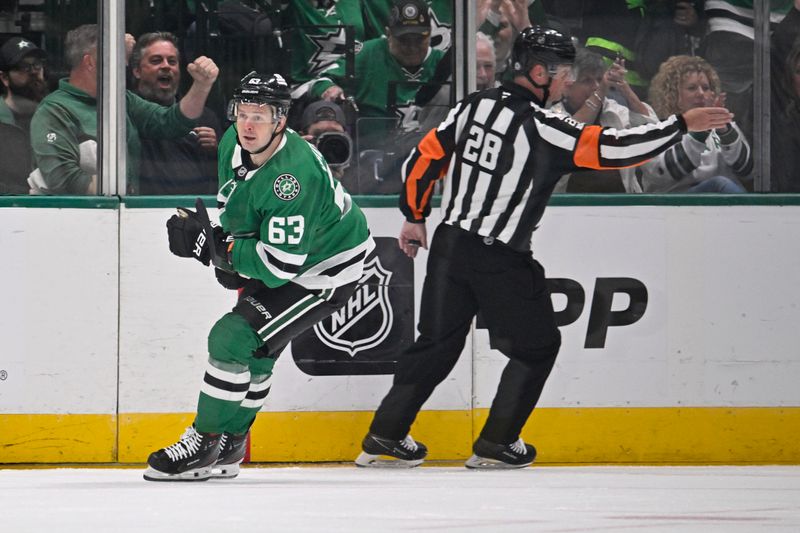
408 115
329 48
286 187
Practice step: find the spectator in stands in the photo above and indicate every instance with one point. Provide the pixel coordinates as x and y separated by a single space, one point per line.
437 106
645 33
785 129
324 125
502 20
710 161
669 28
377 14
315 45
586 99
610 28
64 127
182 165
398 63
728 47
485 62
22 74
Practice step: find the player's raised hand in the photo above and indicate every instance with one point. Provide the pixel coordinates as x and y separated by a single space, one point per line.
707 118
203 71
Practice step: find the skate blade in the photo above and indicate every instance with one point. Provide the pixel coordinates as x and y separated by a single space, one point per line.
199 474
224 471
483 463
368 460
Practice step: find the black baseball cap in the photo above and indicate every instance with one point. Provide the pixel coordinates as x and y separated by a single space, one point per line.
322 110
15 50
409 16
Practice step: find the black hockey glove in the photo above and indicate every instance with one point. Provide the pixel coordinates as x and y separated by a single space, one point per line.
187 238
188 233
229 280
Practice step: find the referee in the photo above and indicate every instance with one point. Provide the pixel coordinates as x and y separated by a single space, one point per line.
502 153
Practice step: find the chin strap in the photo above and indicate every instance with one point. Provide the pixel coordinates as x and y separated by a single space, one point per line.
275 133
544 87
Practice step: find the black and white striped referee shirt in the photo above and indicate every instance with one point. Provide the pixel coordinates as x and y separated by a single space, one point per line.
503 154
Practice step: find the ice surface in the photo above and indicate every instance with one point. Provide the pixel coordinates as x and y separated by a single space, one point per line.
448 499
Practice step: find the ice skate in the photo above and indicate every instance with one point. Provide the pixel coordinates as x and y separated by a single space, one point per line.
189 459
387 453
232 449
488 455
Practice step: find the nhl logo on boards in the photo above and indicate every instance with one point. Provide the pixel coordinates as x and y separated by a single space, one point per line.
286 187
368 333
373 293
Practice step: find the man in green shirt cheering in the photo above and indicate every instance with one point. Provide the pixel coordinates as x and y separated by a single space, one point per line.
64 127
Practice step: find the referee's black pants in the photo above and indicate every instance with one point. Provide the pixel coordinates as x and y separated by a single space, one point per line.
466 275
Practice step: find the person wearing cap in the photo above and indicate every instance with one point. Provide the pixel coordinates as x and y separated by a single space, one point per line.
402 60
64 127
183 165
323 124
377 14
500 152
22 73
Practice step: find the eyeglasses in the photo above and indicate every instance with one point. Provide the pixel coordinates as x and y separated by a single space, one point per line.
29 66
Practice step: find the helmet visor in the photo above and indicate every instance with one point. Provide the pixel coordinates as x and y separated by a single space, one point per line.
235 112
563 71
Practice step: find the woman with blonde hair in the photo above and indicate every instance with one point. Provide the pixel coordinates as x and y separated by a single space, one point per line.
709 161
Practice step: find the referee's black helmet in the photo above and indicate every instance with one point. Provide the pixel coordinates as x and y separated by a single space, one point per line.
543 46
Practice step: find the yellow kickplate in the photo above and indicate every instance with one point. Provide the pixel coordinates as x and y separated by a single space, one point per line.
58 438
750 435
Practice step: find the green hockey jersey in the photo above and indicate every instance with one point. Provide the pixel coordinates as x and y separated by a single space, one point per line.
736 16
376 18
377 75
291 220
314 41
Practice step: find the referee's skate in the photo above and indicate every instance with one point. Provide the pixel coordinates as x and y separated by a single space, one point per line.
488 455
379 452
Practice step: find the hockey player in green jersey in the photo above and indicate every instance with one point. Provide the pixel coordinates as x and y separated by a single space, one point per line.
291 240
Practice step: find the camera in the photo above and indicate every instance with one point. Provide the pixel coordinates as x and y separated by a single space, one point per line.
336 147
